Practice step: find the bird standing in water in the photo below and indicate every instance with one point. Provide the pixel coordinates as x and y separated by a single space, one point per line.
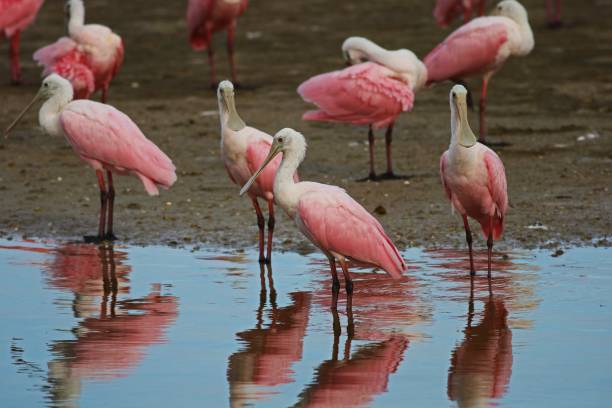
328 216
377 87
106 139
243 150
15 16
473 177
480 48
204 17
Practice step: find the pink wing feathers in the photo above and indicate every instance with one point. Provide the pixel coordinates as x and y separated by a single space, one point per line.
15 15
471 49
198 12
362 94
498 190
103 135
339 224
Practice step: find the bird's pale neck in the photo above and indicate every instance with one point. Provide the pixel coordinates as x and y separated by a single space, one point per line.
77 16
284 182
49 113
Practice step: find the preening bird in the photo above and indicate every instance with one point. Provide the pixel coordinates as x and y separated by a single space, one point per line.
480 48
473 177
106 139
332 220
90 57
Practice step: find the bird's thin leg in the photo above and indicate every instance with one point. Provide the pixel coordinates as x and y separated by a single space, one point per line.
211 64
14 57
347 277
467 14
372 175
468 238
104 93
481 7
558 13
271 222
490 245
103 202
261 223
337 332
111 205
335 282
388 141
483 99
231 30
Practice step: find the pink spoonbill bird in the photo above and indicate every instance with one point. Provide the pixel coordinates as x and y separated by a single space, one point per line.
473 177
373 91
447 10
480 48
328 216
243 150
204 17
15 16
106 139
90 57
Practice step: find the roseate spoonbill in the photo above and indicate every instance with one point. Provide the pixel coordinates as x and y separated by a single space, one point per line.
204 17
481 47
89 58
473 177
447 10
328 216
243 150
106 139
15 16
373 92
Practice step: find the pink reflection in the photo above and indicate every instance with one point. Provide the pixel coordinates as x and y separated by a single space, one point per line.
269 349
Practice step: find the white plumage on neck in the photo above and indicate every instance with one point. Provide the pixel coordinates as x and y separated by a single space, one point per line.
77 16
284 183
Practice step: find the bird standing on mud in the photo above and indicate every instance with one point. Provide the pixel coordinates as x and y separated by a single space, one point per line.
243 150
473 177
90 57
15 16
480 48
377 87
328 216
106 139
204 17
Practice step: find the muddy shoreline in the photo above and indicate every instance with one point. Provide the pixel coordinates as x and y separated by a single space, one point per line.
545 105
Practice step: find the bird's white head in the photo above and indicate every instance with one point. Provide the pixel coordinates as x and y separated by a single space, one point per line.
355 50
290 143
513 10
461 132
227 107
53 87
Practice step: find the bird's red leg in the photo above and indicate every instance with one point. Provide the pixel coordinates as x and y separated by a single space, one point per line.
388 141
111 205
231 30
14 57
372 175
558 13
481 7
103 201
104 93
261 222
271 222
467 14
347 278
490 245
335 282
483 99
468 238
211 64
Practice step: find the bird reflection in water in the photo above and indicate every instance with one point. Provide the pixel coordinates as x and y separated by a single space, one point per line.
111 335
270 349
481 365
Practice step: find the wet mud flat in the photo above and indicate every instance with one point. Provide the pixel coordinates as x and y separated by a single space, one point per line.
553 107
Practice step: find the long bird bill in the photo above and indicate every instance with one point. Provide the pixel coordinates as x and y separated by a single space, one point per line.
21 115
274 150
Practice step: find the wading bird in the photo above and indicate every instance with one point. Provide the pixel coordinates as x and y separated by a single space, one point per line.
243 150
473 177
89 57
106 139
447 10
15 16
328 216
378 86
204 17
480 48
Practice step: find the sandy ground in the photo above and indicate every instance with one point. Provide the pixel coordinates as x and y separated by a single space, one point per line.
559 186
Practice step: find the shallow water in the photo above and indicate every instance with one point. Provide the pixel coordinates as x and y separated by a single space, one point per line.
133 326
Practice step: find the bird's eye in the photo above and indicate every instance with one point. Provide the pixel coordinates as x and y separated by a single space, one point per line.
46 85
454 95
280 140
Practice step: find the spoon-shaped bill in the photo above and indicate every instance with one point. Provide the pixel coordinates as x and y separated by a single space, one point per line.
21 115
274 150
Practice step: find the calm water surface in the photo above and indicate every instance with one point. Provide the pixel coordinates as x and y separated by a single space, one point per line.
156 326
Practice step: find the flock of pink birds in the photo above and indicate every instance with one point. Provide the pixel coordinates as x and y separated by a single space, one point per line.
376 87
